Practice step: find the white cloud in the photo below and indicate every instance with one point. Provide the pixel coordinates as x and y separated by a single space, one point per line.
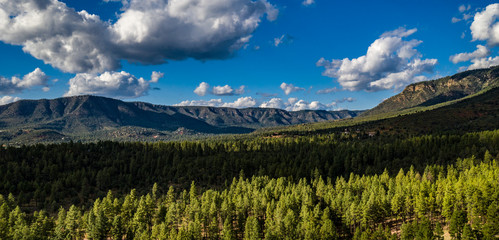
308 2
328 90
485 25
155 76
147 31
481 51
399 32
390 62
243 102
292 104
292 101
295 104
290 88
226 90
410 74
273 103
222 90
16 85
304 105
202 89
483 62
49 30
112 84
8 99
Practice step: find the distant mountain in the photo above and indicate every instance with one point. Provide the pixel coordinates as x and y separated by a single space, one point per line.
430 93
90 114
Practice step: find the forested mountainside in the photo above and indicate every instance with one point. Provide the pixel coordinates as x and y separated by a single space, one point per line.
473 113
433 92
104 118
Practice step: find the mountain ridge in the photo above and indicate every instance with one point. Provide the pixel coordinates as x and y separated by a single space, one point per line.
429 93
87 114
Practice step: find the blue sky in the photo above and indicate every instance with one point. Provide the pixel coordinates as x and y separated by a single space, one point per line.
290 54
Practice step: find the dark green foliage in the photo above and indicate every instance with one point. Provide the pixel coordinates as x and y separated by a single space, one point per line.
474 113
71 172
457 223
280 209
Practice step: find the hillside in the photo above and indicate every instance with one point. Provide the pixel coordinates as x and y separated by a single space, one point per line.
477 112
99 117
445 89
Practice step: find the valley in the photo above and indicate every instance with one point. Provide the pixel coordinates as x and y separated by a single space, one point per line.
421 171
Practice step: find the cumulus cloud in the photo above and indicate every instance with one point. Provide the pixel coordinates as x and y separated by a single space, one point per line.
480 52
112 84
485 25
398 80
147 31
273 103
295 104
308 2
243 102
290 88
49 30
226 90
483 63
292 104
390 62
155 76
202 89
17 85
304 105
8 99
